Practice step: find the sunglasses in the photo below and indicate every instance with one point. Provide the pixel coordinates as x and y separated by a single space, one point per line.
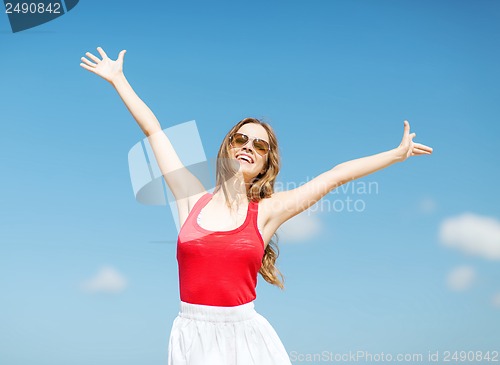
238 140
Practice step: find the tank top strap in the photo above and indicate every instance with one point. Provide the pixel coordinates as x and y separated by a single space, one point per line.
198 206
253 211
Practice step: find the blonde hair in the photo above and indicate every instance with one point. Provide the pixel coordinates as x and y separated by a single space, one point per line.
262 186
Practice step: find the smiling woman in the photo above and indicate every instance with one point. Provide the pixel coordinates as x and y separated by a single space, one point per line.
221 251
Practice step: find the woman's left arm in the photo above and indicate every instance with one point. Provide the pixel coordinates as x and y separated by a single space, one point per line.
286 204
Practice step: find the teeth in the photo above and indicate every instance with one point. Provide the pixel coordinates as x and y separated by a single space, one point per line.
245 158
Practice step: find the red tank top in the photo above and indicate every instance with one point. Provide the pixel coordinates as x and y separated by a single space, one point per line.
219 268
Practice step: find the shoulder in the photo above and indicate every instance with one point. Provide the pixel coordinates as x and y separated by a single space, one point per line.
270 216
268 206
186 205
280 207
195 198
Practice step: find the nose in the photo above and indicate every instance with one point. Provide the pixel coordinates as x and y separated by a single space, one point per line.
247 147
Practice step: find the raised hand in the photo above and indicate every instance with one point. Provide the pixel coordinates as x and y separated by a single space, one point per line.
409 148
108 69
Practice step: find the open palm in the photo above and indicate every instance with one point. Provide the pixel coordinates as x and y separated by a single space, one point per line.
108 69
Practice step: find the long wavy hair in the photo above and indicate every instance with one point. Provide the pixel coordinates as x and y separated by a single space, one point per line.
262 186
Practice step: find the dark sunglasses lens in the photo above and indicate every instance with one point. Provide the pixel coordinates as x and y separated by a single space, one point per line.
239 140
261 146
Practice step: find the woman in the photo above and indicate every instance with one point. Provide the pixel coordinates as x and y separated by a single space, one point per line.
225 239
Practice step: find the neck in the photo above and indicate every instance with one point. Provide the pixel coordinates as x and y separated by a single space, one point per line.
236 190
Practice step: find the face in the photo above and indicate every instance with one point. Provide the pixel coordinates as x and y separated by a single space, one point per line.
250 161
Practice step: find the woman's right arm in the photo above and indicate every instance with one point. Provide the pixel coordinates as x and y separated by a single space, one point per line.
183 184
140 111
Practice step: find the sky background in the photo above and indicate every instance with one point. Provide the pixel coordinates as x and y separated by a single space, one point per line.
405 260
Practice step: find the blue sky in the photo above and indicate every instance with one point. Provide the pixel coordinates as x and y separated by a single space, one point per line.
83 278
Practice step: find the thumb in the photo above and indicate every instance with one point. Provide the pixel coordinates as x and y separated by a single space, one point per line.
406 127
121 54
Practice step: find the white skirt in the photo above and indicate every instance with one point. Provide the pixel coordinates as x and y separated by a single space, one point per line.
211 335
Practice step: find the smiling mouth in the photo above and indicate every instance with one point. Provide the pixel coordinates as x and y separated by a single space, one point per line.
244 158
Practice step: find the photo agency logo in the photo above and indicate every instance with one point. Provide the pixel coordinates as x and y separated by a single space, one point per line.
29 14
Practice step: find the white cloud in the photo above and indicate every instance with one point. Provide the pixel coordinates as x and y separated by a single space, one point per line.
427 205
461 278
300 228
496 300
107 280
472 234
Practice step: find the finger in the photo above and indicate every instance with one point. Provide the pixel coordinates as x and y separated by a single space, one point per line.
88 62
94 58
421 151
91 69
407 127
413 135
423 146
102 53
429 150
121 54
416 149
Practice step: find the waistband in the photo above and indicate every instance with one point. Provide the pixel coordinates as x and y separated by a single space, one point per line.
211 313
